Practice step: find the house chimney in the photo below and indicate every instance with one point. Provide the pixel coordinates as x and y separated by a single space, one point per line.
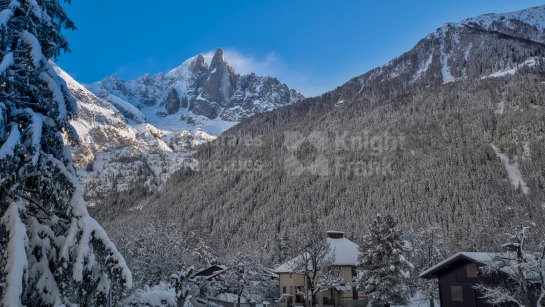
335 234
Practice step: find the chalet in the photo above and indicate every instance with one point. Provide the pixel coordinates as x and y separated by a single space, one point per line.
457 276
345 257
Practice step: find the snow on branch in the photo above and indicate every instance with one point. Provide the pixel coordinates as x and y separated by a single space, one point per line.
7 61
56 89
37 10
35 48
41 238
49 76
82 233
5 15
35 130
74 182
8 148
16 264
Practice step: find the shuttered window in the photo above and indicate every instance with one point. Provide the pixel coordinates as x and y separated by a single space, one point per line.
457 293
471 269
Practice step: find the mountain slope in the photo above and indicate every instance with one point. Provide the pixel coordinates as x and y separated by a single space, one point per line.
102 127
112 153
449 134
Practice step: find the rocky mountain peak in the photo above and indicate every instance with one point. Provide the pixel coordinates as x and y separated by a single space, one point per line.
220 83
219 58
198 89
198 64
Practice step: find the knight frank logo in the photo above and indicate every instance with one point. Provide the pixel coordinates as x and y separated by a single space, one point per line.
305 154
308 154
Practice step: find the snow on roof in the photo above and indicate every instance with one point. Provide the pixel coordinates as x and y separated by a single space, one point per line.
481 257
345 253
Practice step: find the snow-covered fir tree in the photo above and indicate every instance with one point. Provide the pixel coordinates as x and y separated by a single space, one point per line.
384 271
429 246
51 251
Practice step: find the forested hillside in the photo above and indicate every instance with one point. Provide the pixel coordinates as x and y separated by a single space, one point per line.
449 134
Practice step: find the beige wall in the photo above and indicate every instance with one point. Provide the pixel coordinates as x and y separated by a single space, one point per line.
290 281
293 280
346 273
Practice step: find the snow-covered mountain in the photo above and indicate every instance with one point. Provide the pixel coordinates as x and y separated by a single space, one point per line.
113 151
211 96
143 130
481 47
102 127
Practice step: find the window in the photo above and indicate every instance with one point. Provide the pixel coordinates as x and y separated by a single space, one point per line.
457 293
471 270
291 275
283 289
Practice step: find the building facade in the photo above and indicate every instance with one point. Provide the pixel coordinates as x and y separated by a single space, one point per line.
345 257
458 275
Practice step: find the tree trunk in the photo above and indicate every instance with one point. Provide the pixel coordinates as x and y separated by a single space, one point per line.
180 302
432 302
541 299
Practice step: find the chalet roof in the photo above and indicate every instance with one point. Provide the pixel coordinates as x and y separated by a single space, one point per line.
479 257
345 254
211 271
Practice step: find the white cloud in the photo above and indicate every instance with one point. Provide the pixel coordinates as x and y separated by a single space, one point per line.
245 64
270 64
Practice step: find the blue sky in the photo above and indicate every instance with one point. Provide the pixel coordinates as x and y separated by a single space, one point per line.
312 45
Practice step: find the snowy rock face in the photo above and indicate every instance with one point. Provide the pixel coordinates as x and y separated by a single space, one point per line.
117 147
198 89
100 125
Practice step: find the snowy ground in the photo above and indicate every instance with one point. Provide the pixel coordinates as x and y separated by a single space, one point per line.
159 295
419 300
513 170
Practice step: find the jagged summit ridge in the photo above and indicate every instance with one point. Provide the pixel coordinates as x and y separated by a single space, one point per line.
198 92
